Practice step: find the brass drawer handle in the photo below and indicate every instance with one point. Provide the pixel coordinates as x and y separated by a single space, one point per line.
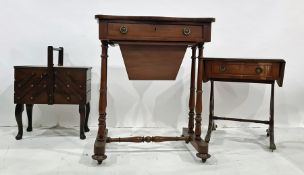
258 70
186 31
223 68
123 29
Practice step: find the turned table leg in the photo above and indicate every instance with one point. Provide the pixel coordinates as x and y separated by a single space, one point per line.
271 121
88 109
100 142
18 114
202 146
198 105
29 111
192 92
82 111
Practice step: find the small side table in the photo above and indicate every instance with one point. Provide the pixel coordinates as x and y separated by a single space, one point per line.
52 85
247 71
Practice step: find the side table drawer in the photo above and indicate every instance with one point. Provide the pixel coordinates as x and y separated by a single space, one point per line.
261 71
156 32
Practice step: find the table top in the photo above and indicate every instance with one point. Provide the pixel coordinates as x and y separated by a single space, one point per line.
155 18
57 67
245 60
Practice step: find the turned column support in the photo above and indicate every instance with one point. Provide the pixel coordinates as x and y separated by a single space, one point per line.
103 92
99 146
139 139
199 105
192 92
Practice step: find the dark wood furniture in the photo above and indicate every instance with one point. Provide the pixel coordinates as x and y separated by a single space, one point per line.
243 70
153 49
52 85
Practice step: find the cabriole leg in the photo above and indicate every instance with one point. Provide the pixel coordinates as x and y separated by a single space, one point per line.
29 111
82 111
18 114
88 108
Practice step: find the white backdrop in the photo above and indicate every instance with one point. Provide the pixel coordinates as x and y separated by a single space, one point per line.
243 28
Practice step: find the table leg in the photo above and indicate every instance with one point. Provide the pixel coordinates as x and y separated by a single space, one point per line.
271 121
211 113
18 114
88 109
192 92
200 145
82 111
198 105
100 142
29 111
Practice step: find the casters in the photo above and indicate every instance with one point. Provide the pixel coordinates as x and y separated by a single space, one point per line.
204 157
99 158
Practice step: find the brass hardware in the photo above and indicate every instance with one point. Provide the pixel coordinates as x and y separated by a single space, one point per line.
123 29
258 70
223 68
68 98
186 31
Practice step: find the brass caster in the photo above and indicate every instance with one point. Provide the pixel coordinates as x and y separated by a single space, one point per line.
207 140
99 158
204 157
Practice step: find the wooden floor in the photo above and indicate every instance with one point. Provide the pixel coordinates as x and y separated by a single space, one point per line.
234 151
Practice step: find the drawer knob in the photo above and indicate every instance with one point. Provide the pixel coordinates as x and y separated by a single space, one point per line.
258 70
123 29
223 68
186 31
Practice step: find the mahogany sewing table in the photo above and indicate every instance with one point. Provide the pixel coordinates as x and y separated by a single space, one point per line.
153 49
